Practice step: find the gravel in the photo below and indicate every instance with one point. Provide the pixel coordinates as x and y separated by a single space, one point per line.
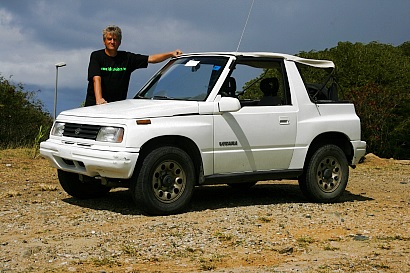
268 228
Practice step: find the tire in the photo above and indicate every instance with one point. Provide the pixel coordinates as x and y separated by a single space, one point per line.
326 174
86 188
165 181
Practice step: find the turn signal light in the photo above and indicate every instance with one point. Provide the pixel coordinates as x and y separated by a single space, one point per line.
143 121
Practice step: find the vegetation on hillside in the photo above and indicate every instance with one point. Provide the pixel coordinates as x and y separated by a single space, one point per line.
23 120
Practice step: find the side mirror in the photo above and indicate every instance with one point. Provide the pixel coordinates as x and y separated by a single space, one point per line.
229 104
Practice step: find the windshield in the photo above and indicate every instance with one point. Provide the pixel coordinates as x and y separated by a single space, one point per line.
185 79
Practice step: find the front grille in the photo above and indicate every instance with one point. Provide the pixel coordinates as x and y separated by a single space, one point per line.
81 130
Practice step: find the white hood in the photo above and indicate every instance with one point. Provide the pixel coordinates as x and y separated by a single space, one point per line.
135 108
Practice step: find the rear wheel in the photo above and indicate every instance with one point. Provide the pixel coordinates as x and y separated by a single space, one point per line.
165 181
326 174
84 188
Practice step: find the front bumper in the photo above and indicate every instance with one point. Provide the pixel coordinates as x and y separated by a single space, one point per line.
90 161
359 151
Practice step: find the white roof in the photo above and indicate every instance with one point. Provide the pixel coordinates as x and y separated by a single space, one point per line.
310 62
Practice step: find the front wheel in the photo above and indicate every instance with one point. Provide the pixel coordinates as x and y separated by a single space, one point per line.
165 181
88 187
326 174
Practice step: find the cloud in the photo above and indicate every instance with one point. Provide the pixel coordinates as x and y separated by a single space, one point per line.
38 34
9 30
36 66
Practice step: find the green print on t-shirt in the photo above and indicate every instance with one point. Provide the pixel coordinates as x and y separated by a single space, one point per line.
113 69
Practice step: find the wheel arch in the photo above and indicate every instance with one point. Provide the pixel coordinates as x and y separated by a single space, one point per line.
337 138
184 143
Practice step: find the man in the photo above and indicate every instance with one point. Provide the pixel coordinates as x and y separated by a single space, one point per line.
109 70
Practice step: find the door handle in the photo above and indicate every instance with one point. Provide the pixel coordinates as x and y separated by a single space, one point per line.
284 121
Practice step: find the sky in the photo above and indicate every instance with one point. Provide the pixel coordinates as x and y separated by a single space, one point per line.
37 34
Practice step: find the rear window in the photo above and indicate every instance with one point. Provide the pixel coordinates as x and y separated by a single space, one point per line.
320 83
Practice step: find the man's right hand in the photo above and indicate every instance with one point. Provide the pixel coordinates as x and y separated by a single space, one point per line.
100 101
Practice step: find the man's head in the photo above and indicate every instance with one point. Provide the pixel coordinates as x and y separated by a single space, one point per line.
112 36
113 30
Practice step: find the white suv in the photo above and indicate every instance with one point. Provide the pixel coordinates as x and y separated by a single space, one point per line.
209 118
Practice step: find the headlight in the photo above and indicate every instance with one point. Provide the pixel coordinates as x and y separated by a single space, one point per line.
58 129
110 134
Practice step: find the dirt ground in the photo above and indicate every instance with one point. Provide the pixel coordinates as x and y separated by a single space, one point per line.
268 228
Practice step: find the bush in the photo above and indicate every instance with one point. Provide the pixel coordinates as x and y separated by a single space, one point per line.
376 106
21 116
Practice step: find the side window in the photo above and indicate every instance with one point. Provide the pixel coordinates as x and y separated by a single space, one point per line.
259 83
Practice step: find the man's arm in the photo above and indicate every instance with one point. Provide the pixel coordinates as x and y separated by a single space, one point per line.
98 90
157 58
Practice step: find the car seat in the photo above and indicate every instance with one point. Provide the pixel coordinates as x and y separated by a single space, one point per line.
269 88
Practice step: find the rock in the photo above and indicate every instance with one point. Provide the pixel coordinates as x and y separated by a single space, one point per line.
360 237
286 250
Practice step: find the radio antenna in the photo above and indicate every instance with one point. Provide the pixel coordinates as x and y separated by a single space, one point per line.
246 23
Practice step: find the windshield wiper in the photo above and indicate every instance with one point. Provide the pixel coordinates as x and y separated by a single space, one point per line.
158 97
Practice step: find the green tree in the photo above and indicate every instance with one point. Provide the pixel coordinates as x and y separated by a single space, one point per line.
405 48
21 116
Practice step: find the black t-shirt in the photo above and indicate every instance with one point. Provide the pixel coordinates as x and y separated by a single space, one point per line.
115 73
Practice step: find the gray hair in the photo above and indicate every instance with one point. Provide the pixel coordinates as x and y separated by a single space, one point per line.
114 30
